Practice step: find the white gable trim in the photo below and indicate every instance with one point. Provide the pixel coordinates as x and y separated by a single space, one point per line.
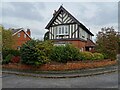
20 31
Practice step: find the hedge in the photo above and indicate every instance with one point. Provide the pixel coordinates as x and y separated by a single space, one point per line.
64 53
91 56
98 56
86 56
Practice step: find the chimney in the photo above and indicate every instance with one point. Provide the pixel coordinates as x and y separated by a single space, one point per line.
54 12
28 32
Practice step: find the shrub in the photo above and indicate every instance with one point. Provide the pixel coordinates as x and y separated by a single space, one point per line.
7 59
15 59
98 56
105 56
86 56
64 53
57 54
71 53
35 52
6 52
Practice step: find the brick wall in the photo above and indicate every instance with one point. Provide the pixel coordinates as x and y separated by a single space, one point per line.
20 40
77 43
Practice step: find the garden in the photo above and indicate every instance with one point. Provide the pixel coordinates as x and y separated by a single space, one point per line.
43 55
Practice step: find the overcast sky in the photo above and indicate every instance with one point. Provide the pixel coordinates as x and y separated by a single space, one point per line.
36 15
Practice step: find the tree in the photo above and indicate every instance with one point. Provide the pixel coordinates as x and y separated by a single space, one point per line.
36 52
107 42
7 39
118 43
46 36
0 38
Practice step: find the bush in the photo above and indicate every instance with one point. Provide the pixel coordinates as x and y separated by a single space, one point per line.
15 59
105 56
6 52
35 52
98 56
57 54
86 56
64 53
7 59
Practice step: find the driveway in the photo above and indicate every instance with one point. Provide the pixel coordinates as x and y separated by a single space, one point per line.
98 81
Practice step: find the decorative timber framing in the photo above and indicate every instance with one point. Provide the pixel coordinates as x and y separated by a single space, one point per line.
64 28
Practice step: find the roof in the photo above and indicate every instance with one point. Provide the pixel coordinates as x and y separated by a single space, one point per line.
90 43
15 31
74 19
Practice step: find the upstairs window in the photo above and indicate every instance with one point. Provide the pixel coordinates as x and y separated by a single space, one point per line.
18 34
62 30
24 35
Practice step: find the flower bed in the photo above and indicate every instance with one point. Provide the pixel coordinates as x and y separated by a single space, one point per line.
73 65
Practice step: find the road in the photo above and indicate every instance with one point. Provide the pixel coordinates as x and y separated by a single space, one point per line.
109 80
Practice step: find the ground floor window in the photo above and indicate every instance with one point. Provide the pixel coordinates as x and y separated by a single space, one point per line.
59 44
82 49
18 47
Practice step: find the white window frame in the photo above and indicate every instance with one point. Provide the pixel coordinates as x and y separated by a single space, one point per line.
59 44
25 36
18 34
62 29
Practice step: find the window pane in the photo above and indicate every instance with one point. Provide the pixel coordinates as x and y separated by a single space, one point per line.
24 35
59 30
18 34
66 30
56 30
62 29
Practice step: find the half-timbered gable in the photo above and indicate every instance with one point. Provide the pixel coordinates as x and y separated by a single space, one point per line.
64 27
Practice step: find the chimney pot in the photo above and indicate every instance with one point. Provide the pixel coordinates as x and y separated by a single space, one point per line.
54 12
28 32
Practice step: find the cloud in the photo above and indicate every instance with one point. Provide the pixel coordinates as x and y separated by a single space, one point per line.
37 28
36 15
23 10
99 13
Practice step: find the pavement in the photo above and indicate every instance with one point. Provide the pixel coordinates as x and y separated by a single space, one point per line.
64 74
109 81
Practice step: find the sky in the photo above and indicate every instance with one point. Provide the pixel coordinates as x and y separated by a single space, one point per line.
36 15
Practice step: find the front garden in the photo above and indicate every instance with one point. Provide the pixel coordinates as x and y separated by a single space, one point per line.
43 55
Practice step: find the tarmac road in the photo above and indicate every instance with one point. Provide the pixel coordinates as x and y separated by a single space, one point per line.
109 80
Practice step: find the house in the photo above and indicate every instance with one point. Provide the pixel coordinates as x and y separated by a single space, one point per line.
64 28
20 36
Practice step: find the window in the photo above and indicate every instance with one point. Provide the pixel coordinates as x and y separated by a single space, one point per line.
82 49
18 48
62 30
24 35
18 34
90 49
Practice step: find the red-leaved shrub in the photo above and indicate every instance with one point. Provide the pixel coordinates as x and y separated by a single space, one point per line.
15 59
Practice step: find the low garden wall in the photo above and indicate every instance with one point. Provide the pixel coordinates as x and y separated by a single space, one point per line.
73 65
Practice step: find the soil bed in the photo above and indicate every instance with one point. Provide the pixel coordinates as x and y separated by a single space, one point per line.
55 66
